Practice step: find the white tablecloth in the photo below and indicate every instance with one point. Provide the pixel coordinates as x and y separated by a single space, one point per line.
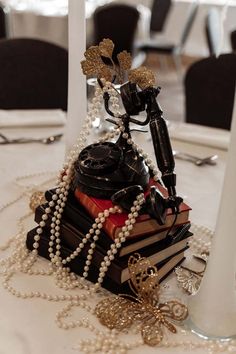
28 327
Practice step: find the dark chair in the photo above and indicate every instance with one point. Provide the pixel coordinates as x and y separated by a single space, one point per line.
33 74
3 31
173 49
159 12
117 22
233 40
213 30
210 91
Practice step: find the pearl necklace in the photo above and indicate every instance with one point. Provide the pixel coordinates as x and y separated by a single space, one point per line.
198 244
64 278
57 204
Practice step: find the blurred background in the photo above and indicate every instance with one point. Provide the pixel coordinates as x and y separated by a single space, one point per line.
169 36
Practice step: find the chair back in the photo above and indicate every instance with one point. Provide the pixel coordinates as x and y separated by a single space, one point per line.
117 22
189 23
233 40
33 74
159 12
210 91
2 22
213 31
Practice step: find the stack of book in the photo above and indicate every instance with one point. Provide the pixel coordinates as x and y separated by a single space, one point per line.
163 245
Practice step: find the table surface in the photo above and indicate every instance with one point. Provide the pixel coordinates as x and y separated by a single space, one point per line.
28 326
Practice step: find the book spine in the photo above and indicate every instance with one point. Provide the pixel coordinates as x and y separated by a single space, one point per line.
144 225
84 222
73 241
113 272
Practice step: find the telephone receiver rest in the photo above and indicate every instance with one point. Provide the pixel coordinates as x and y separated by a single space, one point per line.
155 205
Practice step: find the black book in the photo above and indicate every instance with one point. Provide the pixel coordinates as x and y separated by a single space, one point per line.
77 264
76 215
118 271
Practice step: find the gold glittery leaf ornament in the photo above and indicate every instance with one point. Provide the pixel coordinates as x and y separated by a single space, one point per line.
121 312
93 54
125 60
93 65
142 76
99 63
106 47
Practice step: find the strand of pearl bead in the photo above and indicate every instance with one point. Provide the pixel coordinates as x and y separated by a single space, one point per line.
55 225
38 294
7 244
60 197
62 192
114 130
125 232
198 244
211 346
113 93
21 256
12 202
106 342
96 228
53 257
109 135
22 195
65 313
20 252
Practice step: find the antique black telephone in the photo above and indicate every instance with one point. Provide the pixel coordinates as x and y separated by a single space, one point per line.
117 171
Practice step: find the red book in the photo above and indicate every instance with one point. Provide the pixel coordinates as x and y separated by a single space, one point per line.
144 223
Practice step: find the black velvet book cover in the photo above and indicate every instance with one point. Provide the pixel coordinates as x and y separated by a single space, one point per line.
77 265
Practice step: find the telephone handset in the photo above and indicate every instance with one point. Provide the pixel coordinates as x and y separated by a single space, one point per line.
118 172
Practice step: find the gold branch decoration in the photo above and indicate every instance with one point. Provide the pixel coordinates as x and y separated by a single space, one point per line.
123 311
95 65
